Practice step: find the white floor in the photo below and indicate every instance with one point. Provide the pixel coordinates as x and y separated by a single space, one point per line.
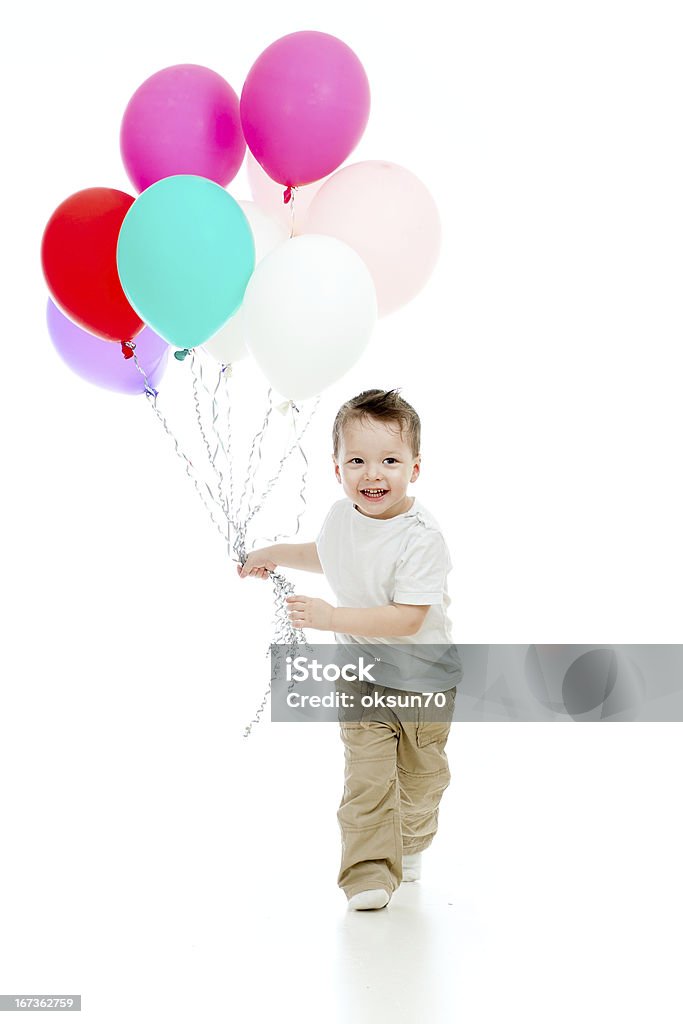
200 885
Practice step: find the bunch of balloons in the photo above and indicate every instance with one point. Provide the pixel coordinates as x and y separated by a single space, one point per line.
296 278
185 265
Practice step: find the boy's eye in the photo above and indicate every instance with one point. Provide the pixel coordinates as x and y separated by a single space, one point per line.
389 458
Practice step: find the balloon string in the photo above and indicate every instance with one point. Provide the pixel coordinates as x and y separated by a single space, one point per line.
284 633
238 544
295 444
283 630
151 394
225 373
249 478
288 197
197 368
302 492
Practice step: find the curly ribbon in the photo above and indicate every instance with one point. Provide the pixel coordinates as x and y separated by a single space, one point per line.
295 444
200 485
249 478
271 483
294 649
283 631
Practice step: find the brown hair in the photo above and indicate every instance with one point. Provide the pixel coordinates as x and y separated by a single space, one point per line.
380 405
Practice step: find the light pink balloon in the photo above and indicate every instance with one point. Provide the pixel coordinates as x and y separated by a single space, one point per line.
182 120
268 195
304 106
388 216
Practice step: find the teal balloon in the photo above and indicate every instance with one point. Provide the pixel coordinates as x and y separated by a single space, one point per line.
185 255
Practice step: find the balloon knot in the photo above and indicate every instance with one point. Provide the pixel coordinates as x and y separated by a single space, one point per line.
149 390
287 194
181 354
128 348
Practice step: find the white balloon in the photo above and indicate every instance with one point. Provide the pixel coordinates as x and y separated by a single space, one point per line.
309 310
267 232
227 345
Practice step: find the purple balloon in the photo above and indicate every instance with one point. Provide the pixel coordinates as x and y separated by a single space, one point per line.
183 120
102 362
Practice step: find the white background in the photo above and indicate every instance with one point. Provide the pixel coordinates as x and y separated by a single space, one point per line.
141 834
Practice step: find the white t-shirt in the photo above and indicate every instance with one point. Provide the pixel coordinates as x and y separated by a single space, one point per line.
371 562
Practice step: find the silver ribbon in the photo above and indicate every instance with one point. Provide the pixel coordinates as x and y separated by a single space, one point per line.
217 444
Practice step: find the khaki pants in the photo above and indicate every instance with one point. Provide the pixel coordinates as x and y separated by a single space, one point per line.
396 772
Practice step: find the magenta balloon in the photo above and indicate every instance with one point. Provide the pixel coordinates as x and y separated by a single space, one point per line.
304 106
102 362
183 120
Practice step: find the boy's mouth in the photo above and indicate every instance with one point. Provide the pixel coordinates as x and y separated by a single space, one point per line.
374 493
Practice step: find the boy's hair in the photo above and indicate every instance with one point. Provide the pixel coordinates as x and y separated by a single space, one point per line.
380 405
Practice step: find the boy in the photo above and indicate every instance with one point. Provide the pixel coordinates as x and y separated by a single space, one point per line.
387 562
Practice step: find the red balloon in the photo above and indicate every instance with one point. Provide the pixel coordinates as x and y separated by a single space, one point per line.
79 263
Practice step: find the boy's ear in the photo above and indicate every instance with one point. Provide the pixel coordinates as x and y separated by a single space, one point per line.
336 469
416 469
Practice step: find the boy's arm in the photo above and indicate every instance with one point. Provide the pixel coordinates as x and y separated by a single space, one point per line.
386 621
293 556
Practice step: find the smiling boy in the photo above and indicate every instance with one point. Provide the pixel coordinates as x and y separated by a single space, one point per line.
386 560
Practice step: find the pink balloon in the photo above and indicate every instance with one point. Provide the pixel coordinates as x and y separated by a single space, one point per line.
183 120
268 195
304 106
387 215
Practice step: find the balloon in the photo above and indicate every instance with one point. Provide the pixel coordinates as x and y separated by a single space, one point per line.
309 311
228 344
185 255
267 232
268 194
304 106
79 262
183 120
103 364
387 215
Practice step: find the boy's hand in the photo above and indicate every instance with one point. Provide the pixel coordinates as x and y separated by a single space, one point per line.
309 612
257 564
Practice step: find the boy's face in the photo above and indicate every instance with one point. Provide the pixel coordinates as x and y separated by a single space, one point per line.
374 458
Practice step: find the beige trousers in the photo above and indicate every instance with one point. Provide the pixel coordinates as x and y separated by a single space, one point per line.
396 772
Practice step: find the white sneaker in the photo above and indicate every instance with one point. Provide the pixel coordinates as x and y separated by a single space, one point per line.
370 899
412 867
